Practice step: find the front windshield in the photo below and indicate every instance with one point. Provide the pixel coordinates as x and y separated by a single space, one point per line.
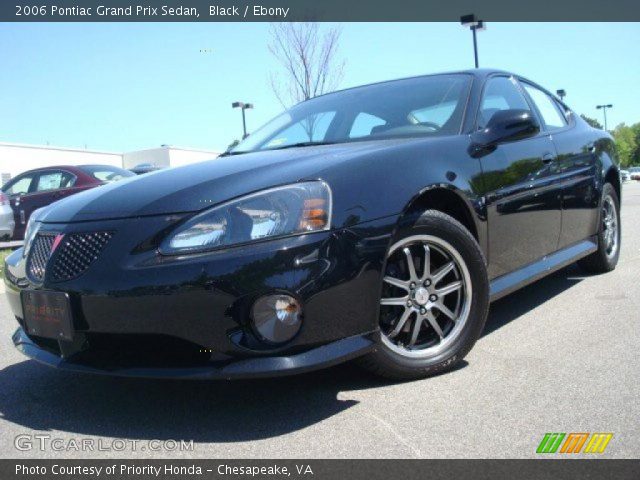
423 106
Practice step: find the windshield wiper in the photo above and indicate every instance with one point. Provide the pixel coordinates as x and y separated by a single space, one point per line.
229 153
301 144
293 145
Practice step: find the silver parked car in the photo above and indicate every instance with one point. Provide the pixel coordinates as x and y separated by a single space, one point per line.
625 176
7 222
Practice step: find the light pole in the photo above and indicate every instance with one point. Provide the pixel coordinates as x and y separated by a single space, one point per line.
243 106
475 25
604 110
561 93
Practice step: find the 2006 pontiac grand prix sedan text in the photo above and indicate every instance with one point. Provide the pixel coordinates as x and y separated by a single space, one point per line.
376 222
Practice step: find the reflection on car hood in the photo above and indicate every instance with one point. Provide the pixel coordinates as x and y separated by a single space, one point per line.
201 185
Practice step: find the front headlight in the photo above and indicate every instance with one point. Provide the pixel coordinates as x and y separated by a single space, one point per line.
289 210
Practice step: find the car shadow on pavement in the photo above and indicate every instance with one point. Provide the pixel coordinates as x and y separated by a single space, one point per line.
524 300
39 398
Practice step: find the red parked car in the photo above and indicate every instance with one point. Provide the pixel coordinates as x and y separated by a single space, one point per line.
40 187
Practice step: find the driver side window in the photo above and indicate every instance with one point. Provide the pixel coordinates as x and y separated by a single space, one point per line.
500 93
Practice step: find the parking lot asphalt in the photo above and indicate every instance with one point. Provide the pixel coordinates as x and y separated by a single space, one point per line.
562 355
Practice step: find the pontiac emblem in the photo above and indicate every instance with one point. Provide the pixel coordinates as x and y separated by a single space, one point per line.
56 242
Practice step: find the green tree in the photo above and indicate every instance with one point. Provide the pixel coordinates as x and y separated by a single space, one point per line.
626 143
635 158
592 121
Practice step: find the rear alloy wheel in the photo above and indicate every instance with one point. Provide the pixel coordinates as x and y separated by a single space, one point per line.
610 226
606 257
433 302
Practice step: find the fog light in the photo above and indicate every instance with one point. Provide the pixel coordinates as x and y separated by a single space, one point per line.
277 318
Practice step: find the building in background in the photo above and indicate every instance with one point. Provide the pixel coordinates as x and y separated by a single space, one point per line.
18 158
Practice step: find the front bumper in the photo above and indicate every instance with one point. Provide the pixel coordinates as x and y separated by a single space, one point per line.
314 359
189 317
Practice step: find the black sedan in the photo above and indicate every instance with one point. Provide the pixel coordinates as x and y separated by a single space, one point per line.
376 222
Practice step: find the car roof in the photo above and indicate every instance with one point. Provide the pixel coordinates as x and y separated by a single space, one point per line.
66 167
479 73
98 165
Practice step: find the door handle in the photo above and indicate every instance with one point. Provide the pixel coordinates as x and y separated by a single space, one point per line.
547 158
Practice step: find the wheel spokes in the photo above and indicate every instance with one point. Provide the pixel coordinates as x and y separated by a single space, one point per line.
410 264
401 323
396 282
444 309
442 272
416 330
394 301
610 226
447 289
426 268
434 324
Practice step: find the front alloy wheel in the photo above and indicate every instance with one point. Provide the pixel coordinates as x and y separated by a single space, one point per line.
434 299
426 298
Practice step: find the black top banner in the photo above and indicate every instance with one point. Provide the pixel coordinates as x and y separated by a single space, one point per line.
316 10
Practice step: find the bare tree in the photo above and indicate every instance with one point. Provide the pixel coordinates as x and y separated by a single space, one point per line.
309 60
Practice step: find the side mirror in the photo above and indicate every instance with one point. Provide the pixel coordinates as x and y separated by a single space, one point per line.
504 126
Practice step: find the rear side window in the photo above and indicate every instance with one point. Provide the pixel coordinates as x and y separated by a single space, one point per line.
54 180
500 93
548 108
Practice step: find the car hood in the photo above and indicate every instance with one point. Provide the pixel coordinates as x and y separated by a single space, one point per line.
199 186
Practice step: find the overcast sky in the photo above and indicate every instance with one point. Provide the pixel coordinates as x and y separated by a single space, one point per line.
122 87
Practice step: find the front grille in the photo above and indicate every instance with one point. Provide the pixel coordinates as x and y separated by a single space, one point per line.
75 253
39 256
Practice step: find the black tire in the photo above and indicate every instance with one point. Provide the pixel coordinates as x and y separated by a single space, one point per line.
385 361
604 260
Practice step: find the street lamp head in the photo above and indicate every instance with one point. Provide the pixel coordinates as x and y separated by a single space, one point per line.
472 22
610 105
468 20
242 105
